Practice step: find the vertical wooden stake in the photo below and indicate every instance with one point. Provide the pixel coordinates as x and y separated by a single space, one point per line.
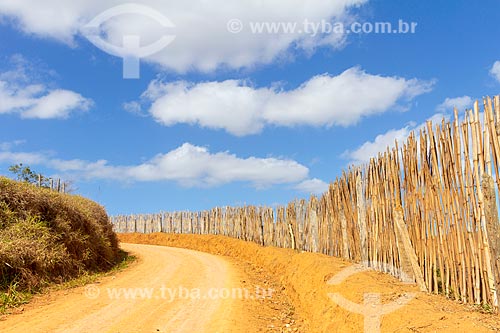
292 237
493 231
345 239
410 258
313 223
363 235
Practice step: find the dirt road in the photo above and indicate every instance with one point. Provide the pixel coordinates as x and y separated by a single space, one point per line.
167 290
305 278
179 290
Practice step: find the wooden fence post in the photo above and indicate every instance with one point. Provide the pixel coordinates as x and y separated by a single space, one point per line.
262 234
345 239
361 208
409 261
492 230
292 237
313 224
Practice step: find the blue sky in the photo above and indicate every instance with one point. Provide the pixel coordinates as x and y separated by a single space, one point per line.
224 118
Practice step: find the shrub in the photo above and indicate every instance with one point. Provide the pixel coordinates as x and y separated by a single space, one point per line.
47 236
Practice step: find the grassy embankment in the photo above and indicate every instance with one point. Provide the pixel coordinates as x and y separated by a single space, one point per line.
48 238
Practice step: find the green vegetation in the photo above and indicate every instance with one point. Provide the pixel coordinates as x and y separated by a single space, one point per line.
48 237
124 261
11 297
27 175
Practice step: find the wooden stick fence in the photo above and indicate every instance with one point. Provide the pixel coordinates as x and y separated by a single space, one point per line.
53 184
424 211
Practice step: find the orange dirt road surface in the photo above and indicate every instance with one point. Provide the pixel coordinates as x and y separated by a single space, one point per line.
176 290
305 278
297 299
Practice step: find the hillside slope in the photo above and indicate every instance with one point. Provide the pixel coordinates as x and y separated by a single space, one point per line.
50 237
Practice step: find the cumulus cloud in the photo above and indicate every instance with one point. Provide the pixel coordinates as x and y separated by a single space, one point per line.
461 103
312 186
188 165
20 94
203 41
370 149
381 142
242 109
495 70
192 165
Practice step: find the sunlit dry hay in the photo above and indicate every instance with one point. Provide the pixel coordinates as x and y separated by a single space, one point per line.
46 236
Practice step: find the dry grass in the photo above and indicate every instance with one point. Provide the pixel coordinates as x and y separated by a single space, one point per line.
48 237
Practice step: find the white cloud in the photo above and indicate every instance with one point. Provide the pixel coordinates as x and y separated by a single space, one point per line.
495 70
56 104
229 105
188 165
312 186
370 149
19 94
380 144
241 109
461 103
20 157
9 145
202 38
134 107
193 165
